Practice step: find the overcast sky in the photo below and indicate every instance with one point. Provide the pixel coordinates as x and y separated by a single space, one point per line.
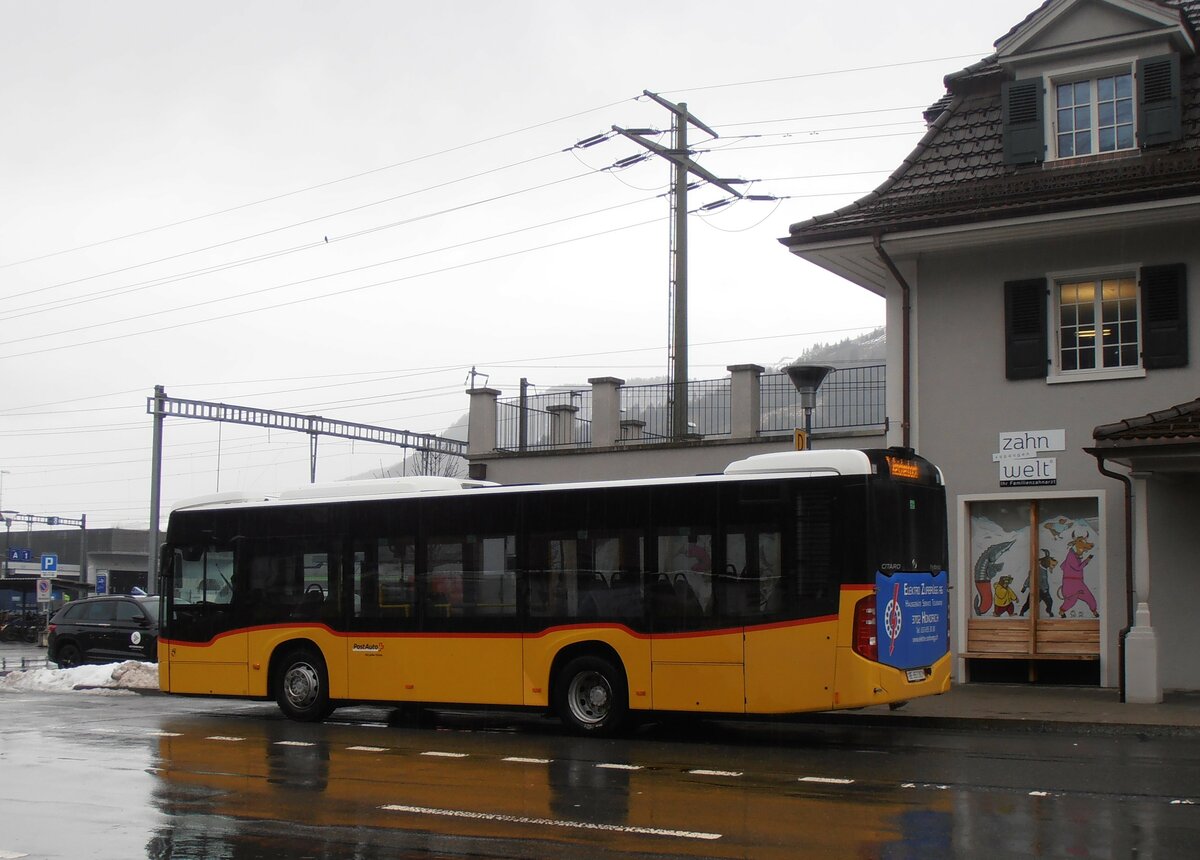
339 208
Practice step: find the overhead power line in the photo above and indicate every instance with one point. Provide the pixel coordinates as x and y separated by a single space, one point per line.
315 187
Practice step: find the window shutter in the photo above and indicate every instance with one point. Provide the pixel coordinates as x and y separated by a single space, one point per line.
1025 329
1164 316
1024 132
1159 113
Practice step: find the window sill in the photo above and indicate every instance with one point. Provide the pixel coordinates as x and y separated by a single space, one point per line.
1096 375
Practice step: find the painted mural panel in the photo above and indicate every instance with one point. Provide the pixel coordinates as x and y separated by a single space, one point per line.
1062 583
1068 534
1000 536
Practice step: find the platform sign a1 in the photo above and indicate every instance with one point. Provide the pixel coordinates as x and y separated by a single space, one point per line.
43 590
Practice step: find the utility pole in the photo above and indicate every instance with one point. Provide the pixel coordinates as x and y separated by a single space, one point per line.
680 157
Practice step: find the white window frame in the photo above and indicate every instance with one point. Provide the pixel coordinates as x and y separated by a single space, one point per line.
1053 320
1091 72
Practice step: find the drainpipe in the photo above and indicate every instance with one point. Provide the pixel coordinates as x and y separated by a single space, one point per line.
905 344
1128 482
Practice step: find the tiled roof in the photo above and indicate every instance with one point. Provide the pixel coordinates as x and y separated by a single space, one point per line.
1178 424
957 173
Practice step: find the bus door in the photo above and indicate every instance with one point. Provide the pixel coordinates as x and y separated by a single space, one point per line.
697 659
205 651
384 609
778 558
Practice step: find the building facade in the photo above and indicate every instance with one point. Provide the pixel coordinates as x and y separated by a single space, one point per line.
1037 251
109 560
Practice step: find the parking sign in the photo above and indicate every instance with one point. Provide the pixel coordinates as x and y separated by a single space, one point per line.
49 562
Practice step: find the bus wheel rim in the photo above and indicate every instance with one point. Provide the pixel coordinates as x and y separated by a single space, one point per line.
302 685
589 697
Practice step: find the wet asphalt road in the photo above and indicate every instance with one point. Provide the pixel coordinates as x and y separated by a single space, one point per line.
131 776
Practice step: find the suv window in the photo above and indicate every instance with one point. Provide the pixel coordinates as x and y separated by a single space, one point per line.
127 611
101 610
73 612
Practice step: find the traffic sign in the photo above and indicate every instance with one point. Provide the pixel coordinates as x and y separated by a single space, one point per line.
43 590
102 583
19 554
49 562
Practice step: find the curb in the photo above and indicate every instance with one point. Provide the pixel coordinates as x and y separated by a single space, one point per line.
1009 724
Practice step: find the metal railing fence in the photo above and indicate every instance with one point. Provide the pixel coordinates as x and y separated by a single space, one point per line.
849 398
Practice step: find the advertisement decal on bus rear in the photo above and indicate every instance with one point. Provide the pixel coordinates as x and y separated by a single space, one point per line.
913 618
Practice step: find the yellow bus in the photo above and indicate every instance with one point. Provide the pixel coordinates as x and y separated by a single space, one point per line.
794 581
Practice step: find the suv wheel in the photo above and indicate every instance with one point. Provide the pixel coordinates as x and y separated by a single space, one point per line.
68 656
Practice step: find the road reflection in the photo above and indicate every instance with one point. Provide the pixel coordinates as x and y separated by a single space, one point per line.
233 789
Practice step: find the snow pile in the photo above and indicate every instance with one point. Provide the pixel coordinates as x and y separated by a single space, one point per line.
130 675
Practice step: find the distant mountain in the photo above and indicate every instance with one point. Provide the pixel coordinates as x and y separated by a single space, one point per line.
869 348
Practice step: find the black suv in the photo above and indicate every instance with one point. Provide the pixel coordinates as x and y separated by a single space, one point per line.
104 630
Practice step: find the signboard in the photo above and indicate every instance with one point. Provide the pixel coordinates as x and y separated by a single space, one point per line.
1038 472
18 554
1017 455
1023 444
912 611
43 590
102 583
49 562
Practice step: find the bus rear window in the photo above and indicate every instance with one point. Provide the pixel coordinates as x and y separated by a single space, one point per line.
908 527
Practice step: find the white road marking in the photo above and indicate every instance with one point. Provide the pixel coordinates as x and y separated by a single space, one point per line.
520 760
223 738
444 754
908 785
1039 794
11 855
611 766
166 734
830 780
294 744
368 749
716 772
1183 803
551 822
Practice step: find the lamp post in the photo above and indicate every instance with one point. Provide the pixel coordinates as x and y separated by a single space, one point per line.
807 378
7 537
7 521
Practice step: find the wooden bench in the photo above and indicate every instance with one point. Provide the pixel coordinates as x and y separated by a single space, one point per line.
1032 640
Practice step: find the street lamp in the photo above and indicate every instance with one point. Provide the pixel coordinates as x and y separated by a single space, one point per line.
807 378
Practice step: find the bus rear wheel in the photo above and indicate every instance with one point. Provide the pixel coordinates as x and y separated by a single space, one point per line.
592 697
302 686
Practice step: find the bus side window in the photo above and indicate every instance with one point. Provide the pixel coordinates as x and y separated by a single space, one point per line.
556 581
470 576
817 577
683 587
618 562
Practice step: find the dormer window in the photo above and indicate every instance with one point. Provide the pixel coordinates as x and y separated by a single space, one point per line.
1094 115
1077 113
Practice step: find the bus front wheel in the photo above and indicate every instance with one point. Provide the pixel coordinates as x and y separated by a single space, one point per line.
591 696
302 686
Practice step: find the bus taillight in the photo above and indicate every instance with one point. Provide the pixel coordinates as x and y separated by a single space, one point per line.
865 642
